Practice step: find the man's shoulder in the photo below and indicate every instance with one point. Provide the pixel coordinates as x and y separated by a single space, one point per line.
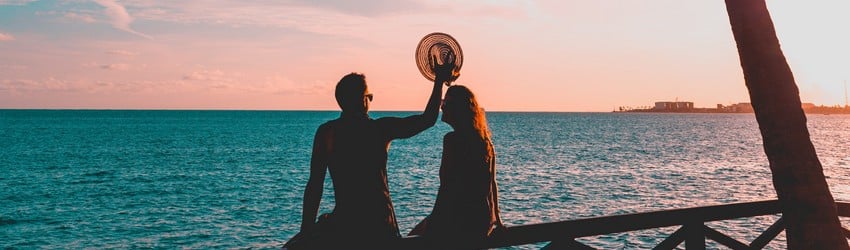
387 122
385 119
328 125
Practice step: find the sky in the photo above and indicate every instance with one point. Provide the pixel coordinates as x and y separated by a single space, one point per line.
548 55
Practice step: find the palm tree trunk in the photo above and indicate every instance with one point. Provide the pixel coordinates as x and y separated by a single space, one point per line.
798 178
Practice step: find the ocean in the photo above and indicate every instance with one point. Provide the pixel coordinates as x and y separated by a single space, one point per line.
235 179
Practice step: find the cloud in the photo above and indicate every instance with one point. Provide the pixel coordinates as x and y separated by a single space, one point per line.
16 2
115 66
299 17
206 75
216 9
316 88
13 67
365 8
335 18
80 17
6 37
64 86
240 83
122 53
212 80
46 85
120 18
112 66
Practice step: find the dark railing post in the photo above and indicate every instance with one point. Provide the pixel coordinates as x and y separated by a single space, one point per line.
768 235
672 241
694 236
723 239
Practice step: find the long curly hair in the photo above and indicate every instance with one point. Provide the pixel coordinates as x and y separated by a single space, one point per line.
466 113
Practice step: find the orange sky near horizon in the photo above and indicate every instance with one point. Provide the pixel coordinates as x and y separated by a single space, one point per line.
519 55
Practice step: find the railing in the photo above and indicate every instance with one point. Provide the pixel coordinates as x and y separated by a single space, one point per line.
691 221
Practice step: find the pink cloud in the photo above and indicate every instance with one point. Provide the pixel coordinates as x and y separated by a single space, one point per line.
53 85
122 53
15 2
80 17
121 19
207 75
240 83
115 66
49 84
111 66
6 37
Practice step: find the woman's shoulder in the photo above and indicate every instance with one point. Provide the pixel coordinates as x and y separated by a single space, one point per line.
450 136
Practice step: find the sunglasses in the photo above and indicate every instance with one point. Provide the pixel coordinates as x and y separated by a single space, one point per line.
370 96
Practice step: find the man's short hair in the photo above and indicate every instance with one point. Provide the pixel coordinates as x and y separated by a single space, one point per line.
348 88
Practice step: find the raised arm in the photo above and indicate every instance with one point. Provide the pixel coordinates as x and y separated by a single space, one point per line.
315 185
412 125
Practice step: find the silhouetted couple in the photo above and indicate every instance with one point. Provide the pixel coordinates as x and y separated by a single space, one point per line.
354 148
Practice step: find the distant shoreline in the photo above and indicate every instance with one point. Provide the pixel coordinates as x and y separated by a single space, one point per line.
737 108
816 110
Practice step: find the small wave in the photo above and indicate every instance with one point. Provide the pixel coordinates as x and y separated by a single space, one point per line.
56 167
7 221
100 173
79 182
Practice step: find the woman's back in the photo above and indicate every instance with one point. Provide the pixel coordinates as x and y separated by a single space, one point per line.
465 205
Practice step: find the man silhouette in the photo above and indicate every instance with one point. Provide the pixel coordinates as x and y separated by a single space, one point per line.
354 148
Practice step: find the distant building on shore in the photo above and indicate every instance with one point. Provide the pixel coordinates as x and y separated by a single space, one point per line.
673 106
741 107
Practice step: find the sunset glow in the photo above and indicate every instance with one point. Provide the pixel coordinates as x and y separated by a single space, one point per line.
519 55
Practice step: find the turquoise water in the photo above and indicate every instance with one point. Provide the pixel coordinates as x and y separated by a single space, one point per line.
234 179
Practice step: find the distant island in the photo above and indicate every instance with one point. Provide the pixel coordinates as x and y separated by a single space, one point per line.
743 107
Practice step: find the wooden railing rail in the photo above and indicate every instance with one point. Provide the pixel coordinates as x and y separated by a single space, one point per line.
691 221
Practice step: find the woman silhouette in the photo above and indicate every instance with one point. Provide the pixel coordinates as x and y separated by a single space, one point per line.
467 206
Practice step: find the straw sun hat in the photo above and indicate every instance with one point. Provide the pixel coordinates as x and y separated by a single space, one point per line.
441 45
